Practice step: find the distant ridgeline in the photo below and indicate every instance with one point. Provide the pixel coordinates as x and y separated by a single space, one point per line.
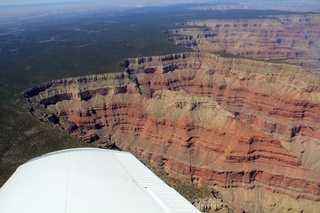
282 38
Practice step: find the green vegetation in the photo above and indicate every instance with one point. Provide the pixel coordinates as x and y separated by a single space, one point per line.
229 55
29 57
23 137
34 50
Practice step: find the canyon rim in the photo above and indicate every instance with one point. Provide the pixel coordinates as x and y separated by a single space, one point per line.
248 127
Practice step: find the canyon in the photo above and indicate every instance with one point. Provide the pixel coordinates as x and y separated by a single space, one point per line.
280 38
249 128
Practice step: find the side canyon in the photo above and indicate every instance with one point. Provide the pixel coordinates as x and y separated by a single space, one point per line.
248 127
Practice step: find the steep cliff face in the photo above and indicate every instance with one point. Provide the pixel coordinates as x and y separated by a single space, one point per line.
285 38
241 125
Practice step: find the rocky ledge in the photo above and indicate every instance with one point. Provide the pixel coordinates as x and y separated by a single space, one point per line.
248 127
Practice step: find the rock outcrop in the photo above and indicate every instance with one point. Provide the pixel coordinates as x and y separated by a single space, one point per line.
210 205
245 126
283 38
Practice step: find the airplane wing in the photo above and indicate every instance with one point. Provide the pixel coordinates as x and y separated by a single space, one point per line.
88 180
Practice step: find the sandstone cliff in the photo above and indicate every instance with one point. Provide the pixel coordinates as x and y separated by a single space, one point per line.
285 38
250 128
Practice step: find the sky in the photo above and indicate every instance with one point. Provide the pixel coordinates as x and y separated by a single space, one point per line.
16 10
128 2
111 2
15 2
257 4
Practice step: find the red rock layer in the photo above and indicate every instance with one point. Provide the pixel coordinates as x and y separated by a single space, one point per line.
273 98
201 117
287 38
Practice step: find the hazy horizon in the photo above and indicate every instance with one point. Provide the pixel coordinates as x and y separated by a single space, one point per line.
253 4
144 2
112 2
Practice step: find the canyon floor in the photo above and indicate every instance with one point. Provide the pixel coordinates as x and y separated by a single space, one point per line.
238 114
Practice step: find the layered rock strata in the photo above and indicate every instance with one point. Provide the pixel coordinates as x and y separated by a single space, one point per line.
285 38
237 124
